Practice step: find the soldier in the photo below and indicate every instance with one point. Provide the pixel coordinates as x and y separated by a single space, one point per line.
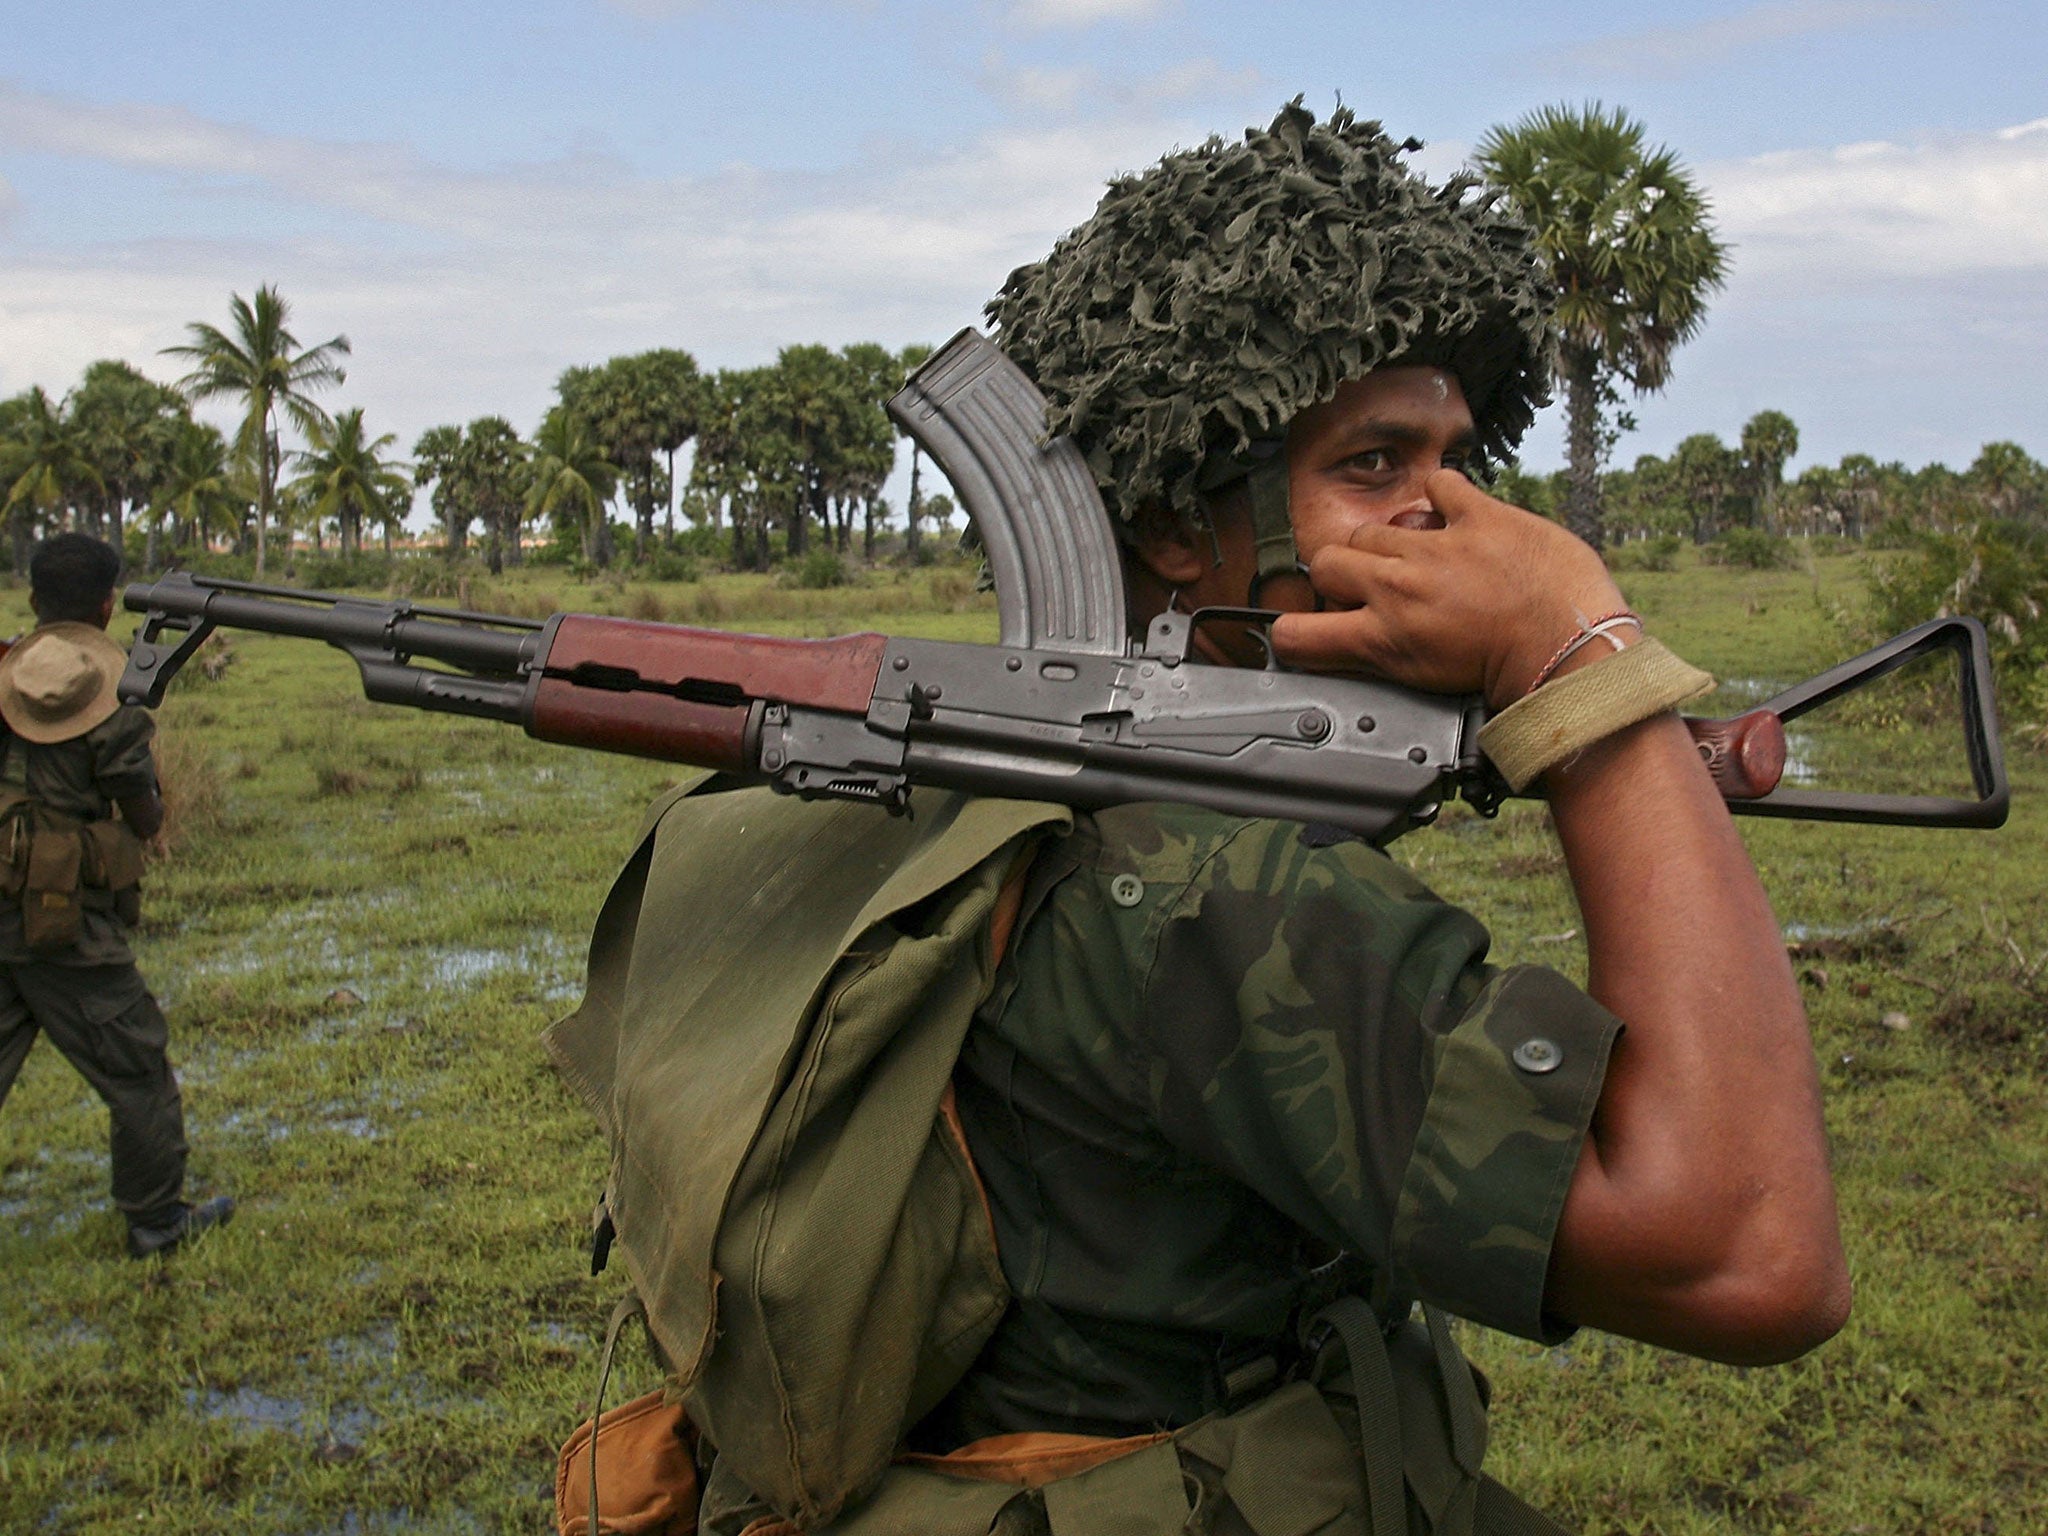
1242 1092
78 794
1229 1051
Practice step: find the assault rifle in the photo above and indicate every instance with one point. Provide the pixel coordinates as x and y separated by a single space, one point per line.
1064 707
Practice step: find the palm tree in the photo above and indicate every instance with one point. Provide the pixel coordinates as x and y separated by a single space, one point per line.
434 459
43 468
1627 236
197 491
675 402
126 426
345 476
911 359
2008 479
572 477
1769 438
1706 472
262 364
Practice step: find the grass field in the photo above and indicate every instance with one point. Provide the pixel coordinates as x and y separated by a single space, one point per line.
368 914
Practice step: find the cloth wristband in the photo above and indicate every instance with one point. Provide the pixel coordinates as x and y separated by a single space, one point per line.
1568 714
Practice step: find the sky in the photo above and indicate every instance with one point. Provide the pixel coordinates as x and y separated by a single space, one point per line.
479 196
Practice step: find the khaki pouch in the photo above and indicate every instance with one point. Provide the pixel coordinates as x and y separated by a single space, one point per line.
113 856
50 908
647 1473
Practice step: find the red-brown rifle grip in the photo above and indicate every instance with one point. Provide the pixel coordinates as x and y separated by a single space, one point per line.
1745 754
642 724
837 674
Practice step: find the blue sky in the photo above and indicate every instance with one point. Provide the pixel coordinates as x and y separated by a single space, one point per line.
482 195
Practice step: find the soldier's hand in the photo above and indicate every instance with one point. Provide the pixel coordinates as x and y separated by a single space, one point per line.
1476 604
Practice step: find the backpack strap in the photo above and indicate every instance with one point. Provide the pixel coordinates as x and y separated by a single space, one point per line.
1357 1328
1421 1427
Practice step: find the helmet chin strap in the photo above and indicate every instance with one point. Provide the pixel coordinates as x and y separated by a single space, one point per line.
1272 527
1263 471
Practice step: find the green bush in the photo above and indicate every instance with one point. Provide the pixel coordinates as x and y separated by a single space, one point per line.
329 572
555 551
1996 573
703 542
818 569
1750 548
1653 554
435 579
664 564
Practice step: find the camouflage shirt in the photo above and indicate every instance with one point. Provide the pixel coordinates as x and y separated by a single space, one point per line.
1231 1066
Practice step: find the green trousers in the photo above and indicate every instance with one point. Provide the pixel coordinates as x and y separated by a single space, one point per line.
108 1026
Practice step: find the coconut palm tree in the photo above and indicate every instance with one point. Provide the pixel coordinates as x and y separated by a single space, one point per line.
126 426
1634 255
198 491
572 478
262 364
43 468
344 475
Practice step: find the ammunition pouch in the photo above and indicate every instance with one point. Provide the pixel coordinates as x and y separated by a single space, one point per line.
55 867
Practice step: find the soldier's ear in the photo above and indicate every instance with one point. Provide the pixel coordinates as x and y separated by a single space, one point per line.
1171 550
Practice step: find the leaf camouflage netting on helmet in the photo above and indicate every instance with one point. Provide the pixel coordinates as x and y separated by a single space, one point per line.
1216 295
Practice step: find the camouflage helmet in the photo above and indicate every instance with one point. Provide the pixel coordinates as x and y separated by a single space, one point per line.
1213 297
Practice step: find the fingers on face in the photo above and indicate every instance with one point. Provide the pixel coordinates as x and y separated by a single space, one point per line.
1453 495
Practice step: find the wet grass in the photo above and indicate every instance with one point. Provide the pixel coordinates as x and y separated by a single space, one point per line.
368 914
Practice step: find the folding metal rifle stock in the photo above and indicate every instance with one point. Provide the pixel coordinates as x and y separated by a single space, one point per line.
1064 707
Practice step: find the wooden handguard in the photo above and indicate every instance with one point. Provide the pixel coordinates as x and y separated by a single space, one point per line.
641 725
1745 754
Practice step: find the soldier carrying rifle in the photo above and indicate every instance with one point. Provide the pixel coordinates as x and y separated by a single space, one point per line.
78 793
1222 1100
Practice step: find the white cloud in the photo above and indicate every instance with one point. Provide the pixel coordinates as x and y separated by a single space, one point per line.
1064 91
1085 13
466 292
1672 50
1939 208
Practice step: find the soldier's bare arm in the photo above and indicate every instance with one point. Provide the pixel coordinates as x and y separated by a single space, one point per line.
1701 1216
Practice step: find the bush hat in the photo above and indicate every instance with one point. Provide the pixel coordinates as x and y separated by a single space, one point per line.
59 681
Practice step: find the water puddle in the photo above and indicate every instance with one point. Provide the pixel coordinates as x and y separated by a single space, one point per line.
248 1409
543 957
357 1118
377 1347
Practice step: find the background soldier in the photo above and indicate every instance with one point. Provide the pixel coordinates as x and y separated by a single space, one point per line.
71 756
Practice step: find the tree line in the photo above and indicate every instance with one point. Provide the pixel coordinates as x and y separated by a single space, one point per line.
1706 488
799 449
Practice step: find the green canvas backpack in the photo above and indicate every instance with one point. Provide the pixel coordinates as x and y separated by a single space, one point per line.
778 992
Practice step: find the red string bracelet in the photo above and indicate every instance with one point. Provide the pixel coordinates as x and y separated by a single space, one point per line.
1596 629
